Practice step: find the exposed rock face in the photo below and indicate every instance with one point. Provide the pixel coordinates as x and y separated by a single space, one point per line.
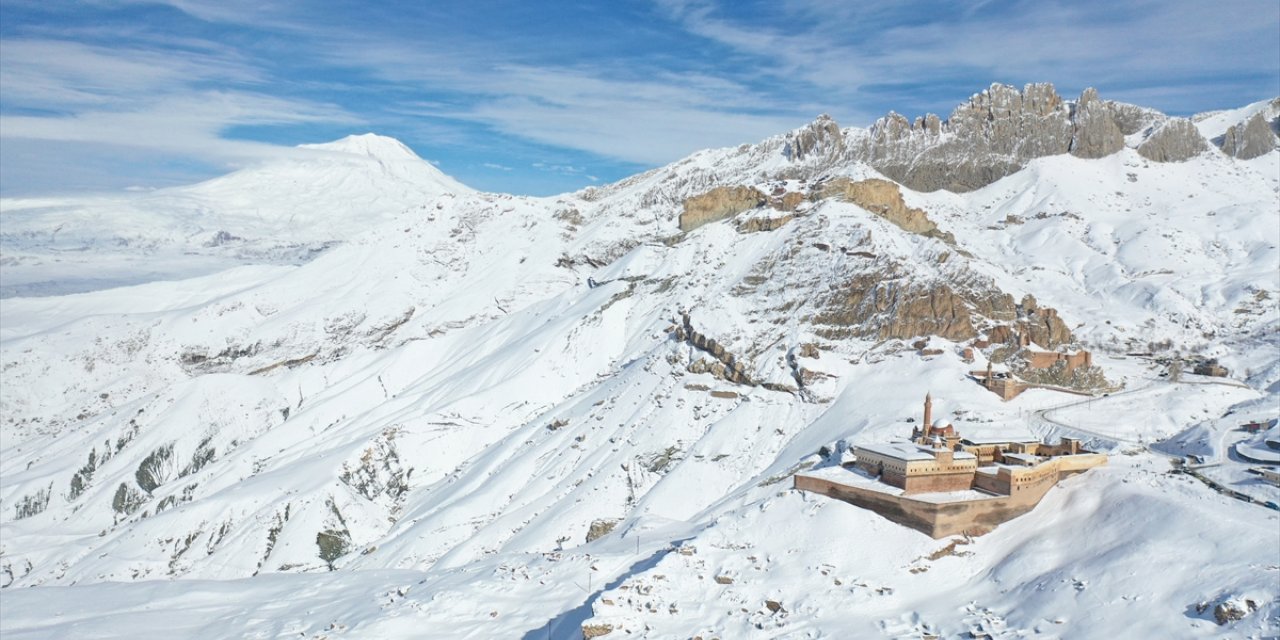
718 204
1131 118
999 130
600 528
1174 141
754 224
590 631
788 201
1233 610
726 366
1096 134
881 306
822 136
1045 328
1249 139
882 198
990 137
1034 323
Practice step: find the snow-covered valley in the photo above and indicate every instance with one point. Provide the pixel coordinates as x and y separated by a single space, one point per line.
415 431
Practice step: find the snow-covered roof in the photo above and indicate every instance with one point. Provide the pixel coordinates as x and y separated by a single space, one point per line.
996 439
898 450
908 451
963 495
1022 457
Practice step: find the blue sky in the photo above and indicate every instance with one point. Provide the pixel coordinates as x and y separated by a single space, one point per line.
545 97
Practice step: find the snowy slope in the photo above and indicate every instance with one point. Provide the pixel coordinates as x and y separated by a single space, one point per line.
413 433
283 212
1214 124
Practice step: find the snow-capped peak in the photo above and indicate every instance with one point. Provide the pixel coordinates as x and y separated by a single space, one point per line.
372 145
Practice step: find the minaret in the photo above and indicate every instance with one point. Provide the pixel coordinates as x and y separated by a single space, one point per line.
928 412
990 376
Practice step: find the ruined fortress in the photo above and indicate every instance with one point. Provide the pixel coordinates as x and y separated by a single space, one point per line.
941 483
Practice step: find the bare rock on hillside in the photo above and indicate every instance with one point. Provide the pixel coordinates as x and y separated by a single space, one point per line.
998 131
600 528
820 137
1096 134
719 203
590 631
1176 140
990 137
1249 139
1045 328
882 306
1131 118
882 198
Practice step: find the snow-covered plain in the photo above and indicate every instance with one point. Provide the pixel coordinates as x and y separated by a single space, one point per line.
411 434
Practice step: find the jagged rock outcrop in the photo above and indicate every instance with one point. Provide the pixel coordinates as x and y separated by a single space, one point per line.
601 528
822 136
590 631
879 305
990 137
1250 139
754 224
1228 610
1176 140
726 365
718 204
1096 134
1033 324
1043 327
1131 118
882 198
998 131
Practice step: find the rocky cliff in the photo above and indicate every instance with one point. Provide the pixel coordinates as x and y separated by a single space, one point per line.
718 204
882 198
999 130
1174 141
1251 138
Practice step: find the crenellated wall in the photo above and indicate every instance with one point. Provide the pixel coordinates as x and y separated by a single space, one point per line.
1016 490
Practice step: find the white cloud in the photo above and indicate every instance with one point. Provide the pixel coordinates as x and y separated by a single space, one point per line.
41 72
844 48
190 123
143 99
606 110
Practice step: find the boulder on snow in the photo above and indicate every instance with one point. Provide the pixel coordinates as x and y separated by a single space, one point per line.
1228 609
590 631
600 528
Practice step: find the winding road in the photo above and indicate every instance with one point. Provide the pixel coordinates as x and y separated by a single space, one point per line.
1044 416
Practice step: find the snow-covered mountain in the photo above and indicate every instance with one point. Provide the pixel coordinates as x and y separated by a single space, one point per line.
499 416
285 211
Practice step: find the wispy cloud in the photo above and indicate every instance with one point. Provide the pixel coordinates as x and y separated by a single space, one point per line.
163 101
42 72
189 123
853 49
599 88
612 110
